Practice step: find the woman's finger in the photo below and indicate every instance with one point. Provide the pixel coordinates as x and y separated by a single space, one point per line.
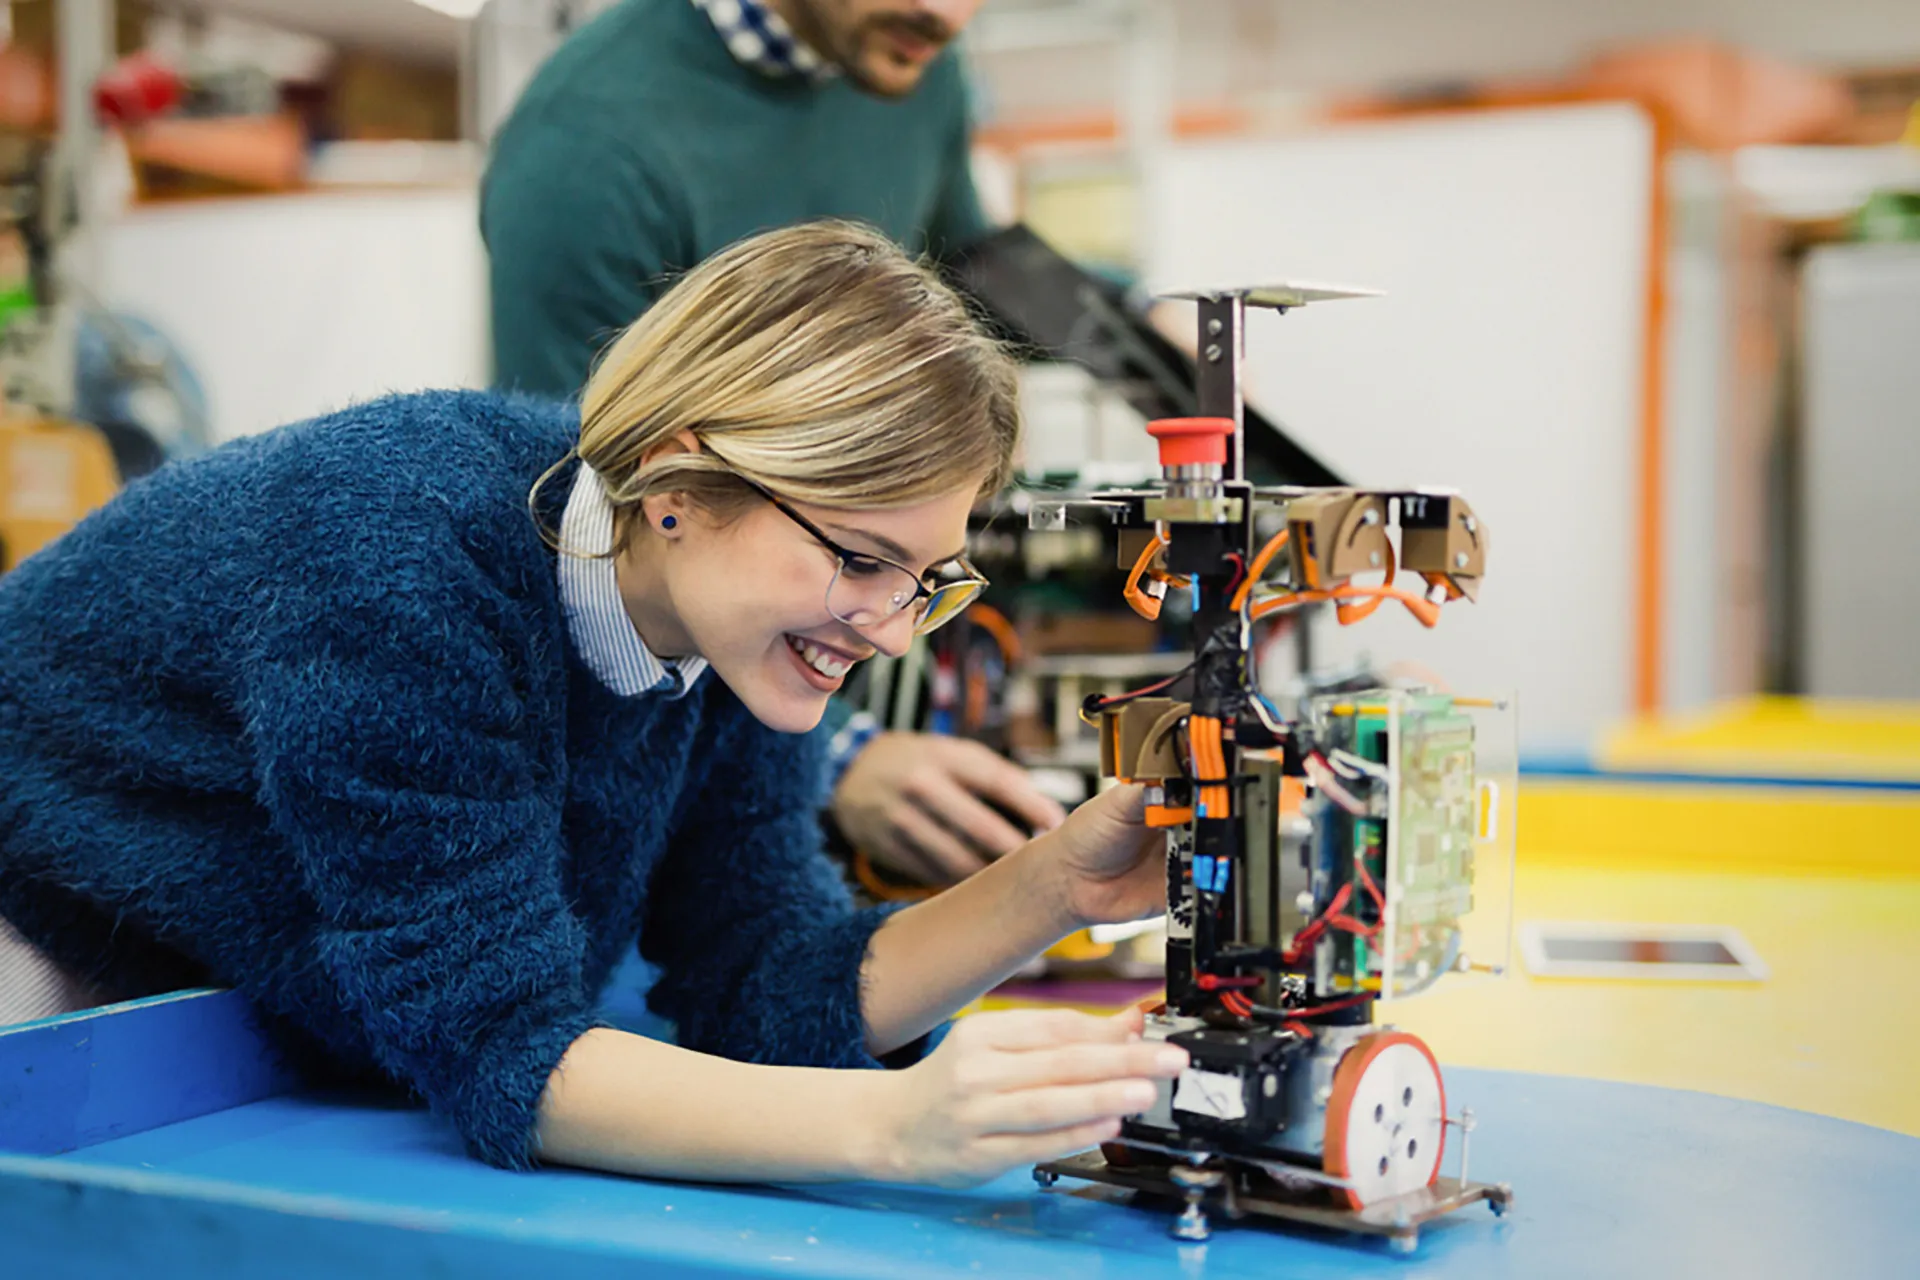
1005 1151
1083 1064
1018 1030
950 802
1059 1106
951 859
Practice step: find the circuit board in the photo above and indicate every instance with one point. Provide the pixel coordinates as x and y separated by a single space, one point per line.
1435 816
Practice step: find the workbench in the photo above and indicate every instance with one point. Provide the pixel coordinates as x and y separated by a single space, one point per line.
164 1138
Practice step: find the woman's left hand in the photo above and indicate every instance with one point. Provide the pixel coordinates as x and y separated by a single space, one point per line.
1110 866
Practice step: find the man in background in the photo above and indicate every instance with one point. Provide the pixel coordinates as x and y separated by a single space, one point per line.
665 130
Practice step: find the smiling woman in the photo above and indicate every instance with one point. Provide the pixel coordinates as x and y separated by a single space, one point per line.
329 716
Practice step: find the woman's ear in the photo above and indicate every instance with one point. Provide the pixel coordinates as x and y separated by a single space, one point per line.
678 442
665 513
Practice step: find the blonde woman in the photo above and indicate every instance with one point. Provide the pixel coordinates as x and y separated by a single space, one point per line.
340 716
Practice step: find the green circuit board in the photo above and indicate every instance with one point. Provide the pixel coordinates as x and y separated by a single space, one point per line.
1435 811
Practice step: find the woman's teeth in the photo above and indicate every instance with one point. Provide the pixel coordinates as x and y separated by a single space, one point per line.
819 659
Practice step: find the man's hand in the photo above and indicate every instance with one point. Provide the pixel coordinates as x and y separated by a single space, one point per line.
919 803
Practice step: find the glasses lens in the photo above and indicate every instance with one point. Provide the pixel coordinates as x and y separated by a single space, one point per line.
867 592
946 604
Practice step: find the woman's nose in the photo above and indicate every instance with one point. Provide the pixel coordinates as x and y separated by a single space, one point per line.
892 637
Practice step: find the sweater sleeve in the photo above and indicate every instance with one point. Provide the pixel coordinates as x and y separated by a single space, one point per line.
402 754
759 945
581 238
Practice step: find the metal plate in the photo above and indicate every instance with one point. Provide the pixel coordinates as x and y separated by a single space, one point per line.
1279 294
1399 1218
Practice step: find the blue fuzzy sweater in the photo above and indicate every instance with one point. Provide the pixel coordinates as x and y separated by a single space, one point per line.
303 716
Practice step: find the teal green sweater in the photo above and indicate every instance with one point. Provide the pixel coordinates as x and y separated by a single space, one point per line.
643 146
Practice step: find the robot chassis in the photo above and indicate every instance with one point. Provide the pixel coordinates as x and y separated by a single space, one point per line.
1296 1105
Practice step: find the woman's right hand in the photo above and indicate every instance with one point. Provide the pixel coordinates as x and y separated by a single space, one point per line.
1013 1088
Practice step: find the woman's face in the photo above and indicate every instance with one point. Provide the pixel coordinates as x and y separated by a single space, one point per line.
750 594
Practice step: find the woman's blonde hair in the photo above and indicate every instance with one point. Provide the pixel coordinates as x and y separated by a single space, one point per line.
819 361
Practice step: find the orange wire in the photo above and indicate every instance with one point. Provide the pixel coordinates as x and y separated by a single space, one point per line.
995 624
873 883
1258 567
1425 610
1348 614
1143 604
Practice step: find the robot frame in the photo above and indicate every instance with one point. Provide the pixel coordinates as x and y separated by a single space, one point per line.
1296 1106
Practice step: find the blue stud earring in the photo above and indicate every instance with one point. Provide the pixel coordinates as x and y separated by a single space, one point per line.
668 522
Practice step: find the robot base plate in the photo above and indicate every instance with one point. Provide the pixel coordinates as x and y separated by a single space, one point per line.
1243 1193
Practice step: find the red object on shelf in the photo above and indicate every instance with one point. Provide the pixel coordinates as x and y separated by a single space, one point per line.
1192 442
136 89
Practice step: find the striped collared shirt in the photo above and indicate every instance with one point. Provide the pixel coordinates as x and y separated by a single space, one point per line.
597 618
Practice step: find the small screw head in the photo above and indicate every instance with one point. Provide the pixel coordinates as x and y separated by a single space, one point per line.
1468 523
1459 559
1370 516
1214 328
1213 353
1374 559
1270 1086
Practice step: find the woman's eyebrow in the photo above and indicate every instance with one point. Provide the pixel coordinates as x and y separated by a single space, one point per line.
893 549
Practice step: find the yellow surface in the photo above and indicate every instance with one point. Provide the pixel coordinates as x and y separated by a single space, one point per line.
1834 1029
1823 883
1776 737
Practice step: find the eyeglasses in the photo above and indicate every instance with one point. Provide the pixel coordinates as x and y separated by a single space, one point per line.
867 590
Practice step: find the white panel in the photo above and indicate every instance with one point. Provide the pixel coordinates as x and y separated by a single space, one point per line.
1505 361
290 306
1861 451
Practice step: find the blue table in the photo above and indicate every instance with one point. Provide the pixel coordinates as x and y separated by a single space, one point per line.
161 1139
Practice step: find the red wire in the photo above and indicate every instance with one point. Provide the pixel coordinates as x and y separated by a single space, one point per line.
1373 890
1312 932
1335 1007
1213 982
1239 572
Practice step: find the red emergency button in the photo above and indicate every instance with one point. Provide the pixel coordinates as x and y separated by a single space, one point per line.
1192 442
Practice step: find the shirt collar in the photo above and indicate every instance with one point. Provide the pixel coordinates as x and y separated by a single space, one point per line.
597 618
761 39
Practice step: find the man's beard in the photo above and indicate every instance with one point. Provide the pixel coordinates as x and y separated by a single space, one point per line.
843 47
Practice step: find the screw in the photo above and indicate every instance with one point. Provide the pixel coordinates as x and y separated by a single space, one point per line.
1459 559
1374 559
1213 353
1214 328
1370 516
1467 523
1270 1086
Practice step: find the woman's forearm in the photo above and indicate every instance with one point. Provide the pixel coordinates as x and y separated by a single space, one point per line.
926 963
627 1104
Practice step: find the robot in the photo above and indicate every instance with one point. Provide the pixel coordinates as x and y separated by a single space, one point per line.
1318 862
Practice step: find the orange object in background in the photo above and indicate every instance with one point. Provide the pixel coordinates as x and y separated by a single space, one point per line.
218 155
51 475
1719 97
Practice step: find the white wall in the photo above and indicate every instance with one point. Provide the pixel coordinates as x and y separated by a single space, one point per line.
287 307
1250 48
1505 361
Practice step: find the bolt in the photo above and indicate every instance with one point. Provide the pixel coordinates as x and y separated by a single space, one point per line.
1459 559
1213 353
1374 559
1270 1086
1467 523
1214 328
1370 516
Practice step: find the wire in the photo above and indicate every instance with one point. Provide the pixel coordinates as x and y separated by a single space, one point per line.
1355 766
1320 773
1334 1007
1239 572
1096 703
874 883
1311 933
1144 602
1420 607
1258 567
995 624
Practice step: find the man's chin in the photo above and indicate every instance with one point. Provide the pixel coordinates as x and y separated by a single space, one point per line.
885 76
